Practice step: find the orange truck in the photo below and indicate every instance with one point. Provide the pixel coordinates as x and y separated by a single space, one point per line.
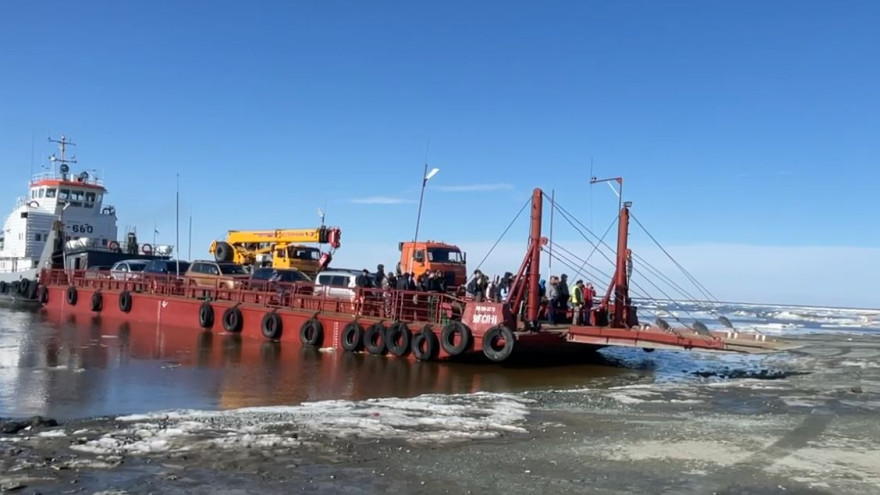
423 256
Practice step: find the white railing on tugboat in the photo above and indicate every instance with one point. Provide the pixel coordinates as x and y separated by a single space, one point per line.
90 180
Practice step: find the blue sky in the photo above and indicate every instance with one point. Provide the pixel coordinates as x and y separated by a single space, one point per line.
744 123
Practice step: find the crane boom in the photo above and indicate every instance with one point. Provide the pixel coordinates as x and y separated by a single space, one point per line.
320 235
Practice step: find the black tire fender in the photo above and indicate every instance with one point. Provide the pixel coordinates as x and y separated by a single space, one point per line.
125 301
447 337
375 339
490 343
206 315
71 295
97 302
271 325
32 291
43 294
312 333
398 339
3 286
425 345
232 320
352 337
23 286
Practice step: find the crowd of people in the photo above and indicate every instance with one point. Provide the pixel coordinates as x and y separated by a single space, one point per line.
556 296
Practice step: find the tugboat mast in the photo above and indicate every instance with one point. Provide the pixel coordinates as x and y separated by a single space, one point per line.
65 163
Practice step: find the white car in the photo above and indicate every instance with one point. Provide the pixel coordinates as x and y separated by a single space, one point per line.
128 269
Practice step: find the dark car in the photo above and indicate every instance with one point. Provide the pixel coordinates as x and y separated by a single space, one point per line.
166 267
286 275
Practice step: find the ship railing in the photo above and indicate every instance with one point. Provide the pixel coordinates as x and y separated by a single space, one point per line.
389 305
91 180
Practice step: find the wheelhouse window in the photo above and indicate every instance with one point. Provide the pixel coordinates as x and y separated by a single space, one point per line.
76 198
90 200
42 192
50 193
63 194
439 255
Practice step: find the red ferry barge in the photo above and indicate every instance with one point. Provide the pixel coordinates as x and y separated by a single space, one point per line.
420 325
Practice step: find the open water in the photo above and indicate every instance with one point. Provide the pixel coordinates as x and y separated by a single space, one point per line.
76 367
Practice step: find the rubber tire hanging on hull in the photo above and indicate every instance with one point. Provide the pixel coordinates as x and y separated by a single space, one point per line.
3 286
352 337
125 301
398 331
427 338
43 294
97 301
312 333
271 326
447 337
71 295
375 339
206 315
24 286
490 349
232 320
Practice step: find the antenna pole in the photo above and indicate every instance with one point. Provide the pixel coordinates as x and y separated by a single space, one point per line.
190 237
155 229
552 209
177 225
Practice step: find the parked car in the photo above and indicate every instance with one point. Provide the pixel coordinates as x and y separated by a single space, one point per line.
208 273
128 269
166 267
281 280
338 283
98 271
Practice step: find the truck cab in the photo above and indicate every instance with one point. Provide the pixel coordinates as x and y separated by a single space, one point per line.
420 257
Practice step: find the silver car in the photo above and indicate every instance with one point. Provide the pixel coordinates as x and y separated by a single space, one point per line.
128 269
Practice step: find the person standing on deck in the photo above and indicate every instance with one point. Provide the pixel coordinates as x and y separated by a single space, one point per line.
562 304
552 299
577 303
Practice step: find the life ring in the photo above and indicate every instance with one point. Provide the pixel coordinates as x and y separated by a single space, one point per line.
490 343
206 315
113 246
232 320
97 301
33 203
425 345
146 248
398 338
352 337
447 337
375 339
272 325
43 294
71 295
125 301
311 332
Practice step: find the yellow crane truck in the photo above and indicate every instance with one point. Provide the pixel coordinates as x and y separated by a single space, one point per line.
281 248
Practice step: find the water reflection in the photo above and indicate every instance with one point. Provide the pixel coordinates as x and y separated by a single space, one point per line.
75 366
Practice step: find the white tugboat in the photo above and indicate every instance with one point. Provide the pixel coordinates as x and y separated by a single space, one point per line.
74 200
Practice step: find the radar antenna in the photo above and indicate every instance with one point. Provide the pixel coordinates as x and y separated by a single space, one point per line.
63 143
